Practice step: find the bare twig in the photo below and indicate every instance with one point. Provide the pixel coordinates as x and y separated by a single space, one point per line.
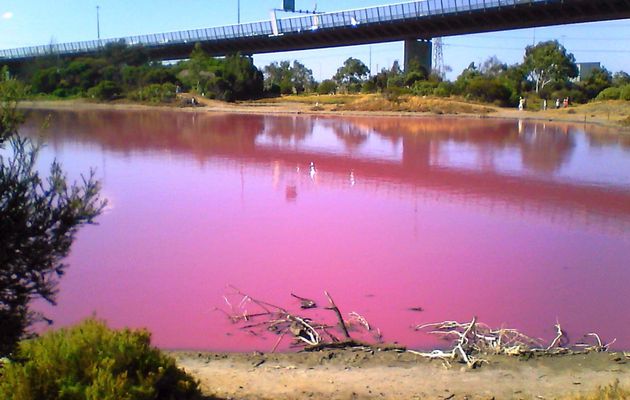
334 307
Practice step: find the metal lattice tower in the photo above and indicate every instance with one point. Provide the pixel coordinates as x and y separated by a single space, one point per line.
438 57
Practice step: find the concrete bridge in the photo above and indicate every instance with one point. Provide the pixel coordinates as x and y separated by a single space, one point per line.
415 22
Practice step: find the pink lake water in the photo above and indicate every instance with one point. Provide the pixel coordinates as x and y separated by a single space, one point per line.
518 223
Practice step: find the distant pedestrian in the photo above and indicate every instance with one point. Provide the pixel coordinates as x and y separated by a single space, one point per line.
557 103
521 103
565 103
544 105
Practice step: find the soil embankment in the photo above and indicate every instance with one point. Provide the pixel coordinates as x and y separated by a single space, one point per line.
348 374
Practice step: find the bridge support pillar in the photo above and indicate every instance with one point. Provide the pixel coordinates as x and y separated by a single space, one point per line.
418 54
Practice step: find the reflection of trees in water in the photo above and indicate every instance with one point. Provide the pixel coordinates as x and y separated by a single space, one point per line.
603 140
288 129
546 148
352 135
542 148
199 134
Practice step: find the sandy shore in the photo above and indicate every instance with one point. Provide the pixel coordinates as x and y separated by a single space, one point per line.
347 374
587 114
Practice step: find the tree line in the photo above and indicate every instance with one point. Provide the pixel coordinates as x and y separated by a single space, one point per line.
548 71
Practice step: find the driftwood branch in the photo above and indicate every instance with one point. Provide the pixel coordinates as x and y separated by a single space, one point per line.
305 326
473 339
334 307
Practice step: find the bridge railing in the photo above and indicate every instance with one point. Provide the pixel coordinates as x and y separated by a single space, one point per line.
291 25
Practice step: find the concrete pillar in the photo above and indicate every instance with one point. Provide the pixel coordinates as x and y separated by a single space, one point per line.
418 52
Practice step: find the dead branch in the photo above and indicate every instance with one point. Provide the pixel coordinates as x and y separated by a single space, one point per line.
258 317
475 338
599 346
334 307
559 335
361 320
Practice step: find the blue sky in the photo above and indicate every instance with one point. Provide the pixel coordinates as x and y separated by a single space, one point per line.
34 22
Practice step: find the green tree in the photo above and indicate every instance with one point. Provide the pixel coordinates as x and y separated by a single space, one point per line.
597 80
289 78
302 77
549 62
39 217
351 74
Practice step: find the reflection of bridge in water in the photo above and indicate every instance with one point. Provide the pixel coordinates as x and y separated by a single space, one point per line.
284 143
408 21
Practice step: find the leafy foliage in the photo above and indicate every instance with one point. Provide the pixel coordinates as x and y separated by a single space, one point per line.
611 93
231 78
289 78
597 80
327 86
38 220
90 361
104 90
351 74
155 93
549 62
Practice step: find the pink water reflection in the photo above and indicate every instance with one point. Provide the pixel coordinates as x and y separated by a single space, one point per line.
518 224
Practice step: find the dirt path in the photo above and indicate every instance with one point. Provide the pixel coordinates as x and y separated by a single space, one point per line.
388 375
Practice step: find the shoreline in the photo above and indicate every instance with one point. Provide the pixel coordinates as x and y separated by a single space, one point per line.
295 108
361 374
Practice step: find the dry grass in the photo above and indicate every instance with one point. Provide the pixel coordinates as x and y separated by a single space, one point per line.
377 102
611 392
409 103
335 99
609 111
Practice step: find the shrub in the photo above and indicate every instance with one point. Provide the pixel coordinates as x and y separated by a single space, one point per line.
574 95
368 86
611 93
155 93
625 93
488 90
105 90
423 88
90 361
443 89
327 86
396 81
413 77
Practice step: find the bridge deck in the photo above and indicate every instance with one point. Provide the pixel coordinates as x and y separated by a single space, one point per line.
416 19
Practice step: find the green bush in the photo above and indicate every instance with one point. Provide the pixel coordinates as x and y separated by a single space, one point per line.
368 86
488 90
90 361
155 93
327 86
443 89
625 93
574 95
413 77
104 90
611 93
423 88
